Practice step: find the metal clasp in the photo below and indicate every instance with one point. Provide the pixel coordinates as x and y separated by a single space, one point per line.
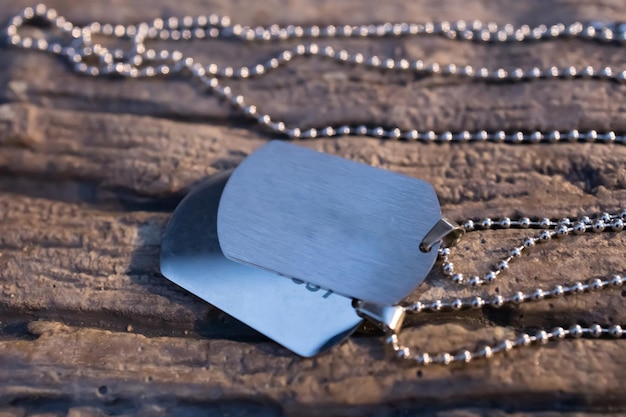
387 318
445 231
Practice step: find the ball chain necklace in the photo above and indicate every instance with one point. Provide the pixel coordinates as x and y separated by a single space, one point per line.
250 240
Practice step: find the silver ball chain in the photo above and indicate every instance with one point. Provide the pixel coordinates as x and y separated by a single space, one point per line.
75 44
94 59
550 229
560 228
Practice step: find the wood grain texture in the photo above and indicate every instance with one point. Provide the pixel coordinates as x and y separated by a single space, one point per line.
90 170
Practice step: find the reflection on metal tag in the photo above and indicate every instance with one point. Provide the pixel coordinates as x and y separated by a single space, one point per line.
299 316
342 225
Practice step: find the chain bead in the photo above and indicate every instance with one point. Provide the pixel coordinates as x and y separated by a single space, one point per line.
489 277
523 340
598 226
562 231
507 345
486 352
465 356
446 358
518 297
403 353
580 228
578 287
448 268
558 333
542 337
596 284
475 281
616 281
497 301
477 302
424 359
616 331
416 307
576 331
558 291
538 294
595 330
605 217
545 236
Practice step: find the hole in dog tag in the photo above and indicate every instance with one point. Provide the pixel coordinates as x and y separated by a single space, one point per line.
339 224
302 317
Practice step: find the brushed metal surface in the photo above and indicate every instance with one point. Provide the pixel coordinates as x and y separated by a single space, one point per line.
339 224
299 316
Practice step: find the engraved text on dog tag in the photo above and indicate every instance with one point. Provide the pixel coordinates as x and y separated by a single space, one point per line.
300 316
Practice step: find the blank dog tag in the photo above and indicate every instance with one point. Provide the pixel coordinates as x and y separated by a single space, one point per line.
342 225
302 317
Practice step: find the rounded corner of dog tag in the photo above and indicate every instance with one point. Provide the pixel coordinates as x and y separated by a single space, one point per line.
185 227
336 223
301 317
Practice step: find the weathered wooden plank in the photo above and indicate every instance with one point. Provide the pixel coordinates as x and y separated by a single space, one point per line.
91 168
100 369
314 92
150 157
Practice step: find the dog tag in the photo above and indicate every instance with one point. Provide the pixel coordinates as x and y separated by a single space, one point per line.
339 224
300 316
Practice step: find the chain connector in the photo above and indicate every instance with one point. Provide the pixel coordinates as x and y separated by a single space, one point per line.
445 231
387 318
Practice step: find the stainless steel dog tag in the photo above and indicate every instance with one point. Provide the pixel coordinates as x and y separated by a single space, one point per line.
302 317
342 225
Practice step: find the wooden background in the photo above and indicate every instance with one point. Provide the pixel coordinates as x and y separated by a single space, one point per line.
90 170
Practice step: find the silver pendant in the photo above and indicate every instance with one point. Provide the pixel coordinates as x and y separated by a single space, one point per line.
302 317
338 224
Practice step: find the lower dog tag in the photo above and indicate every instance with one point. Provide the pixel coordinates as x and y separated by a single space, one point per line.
300 316
342 225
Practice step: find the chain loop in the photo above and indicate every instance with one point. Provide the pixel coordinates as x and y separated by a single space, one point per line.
551 228
486 352
88 58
